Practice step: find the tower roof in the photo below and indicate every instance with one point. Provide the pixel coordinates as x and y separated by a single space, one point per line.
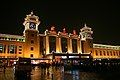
85 28
31 18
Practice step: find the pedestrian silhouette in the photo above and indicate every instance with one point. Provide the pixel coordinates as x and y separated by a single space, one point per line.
4 67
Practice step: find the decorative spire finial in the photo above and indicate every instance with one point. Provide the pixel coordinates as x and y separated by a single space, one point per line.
52 28
74 32
31 13
85 25
64 30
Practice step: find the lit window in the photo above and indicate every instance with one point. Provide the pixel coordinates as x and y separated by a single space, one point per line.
2 48
12 49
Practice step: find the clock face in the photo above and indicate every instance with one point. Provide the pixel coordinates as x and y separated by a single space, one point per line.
32 26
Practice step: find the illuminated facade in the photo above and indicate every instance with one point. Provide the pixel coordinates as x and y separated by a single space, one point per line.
35 45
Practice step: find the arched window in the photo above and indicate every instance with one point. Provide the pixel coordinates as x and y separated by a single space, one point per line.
96 52
100 53
107 53
111 53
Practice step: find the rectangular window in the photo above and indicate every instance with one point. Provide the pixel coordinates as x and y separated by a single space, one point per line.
12 49
2 48
20 46
20 49
32 48
31 55
20 52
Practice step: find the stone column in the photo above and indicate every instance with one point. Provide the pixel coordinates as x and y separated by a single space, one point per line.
47 44
69 41
6 50
79 46
58 45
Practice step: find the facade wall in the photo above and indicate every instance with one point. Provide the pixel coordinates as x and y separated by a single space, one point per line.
105 53
17 52
24 47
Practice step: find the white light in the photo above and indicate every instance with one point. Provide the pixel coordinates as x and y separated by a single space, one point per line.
64 57
73 56
14 62
87 56
35 62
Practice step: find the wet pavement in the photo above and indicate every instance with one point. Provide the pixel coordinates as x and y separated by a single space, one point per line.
56 73
7 75
36 74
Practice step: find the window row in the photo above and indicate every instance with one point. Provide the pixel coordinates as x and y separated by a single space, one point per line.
12 49
11 39
107 53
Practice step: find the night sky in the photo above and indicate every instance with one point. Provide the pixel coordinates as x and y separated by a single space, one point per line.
103 17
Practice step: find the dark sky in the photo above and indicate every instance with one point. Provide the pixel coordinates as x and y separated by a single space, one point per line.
102 16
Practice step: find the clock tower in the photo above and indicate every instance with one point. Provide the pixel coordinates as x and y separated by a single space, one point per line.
31 22
31 33
86 39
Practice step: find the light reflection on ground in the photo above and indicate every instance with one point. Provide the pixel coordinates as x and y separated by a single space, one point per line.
54 73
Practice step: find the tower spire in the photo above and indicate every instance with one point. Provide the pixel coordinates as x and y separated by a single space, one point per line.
31 22
31 13
85 25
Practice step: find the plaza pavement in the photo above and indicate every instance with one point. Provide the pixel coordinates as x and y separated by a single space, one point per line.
7 75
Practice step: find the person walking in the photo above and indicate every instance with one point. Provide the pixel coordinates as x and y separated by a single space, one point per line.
4 67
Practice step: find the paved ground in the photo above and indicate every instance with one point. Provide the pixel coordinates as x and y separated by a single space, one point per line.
56 74
36 74
7 75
